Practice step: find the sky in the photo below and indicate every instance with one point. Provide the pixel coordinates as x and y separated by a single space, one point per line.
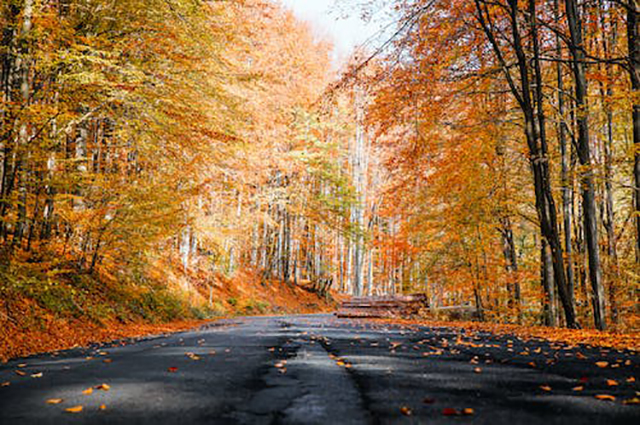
328 19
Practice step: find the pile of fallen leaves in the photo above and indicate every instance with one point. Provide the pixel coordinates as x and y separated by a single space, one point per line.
589 337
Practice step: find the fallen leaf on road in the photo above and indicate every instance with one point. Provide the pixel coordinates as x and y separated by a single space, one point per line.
107 361
477 370
612 383
448 411
578 388
602 364
103 387
88 391
5 384
545 388
22 365
75 409
605 397
37 375
20 373
406 411
102 407
634 400
631 380
468 411
173 369
54 401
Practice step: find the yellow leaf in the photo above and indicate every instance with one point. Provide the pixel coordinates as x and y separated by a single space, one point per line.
54 401
468 411
579 388
605 397
545 388
75 409
103 407
88 391
37 375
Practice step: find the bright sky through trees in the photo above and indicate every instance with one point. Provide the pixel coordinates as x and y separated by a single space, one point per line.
327 18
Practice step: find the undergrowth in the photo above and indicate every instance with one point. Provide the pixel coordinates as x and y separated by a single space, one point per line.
67 294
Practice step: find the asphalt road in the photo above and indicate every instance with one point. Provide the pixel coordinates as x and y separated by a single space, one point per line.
322 370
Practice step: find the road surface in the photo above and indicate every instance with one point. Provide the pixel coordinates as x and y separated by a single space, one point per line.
322 370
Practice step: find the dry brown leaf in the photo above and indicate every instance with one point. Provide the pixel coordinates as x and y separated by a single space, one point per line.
578 388
602 364
107 361
448 411
20 373
5 384
103 387
74 409
631 380
612 383
54 401
545 388
605 397
468 411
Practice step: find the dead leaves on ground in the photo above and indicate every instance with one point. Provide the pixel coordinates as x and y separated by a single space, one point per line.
75 409
449 411
606 397
406 411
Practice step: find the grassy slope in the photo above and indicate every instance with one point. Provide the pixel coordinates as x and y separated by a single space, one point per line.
40 311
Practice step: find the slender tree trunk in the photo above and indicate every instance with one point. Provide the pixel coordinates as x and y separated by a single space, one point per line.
633 40
584 155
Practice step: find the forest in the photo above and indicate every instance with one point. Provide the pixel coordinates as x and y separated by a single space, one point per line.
157 154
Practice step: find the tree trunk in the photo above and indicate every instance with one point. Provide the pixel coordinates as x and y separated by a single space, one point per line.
584 156
633 40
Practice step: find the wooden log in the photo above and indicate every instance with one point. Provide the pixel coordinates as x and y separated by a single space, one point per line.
382 306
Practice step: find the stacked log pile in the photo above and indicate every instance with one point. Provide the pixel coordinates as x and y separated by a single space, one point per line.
396 306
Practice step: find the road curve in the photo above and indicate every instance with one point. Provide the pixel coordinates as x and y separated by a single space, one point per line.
322 370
